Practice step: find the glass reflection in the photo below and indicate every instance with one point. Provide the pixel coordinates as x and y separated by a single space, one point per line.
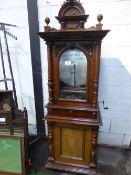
73 75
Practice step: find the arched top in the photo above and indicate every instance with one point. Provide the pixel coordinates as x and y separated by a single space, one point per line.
72 15
71 8
72 49
73 53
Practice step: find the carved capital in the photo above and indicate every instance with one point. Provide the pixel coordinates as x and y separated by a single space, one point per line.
89 47
49 44
97 43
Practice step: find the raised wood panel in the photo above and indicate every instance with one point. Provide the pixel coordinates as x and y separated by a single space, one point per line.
72 144
70 139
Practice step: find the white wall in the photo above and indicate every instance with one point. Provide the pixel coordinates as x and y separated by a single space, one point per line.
15 12
115 74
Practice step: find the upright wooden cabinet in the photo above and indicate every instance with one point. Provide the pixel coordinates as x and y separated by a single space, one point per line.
73 79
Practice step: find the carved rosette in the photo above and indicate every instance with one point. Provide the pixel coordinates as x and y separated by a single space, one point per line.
93 150
50 142
58 48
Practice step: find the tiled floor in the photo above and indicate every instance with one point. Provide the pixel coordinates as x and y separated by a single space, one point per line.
111 161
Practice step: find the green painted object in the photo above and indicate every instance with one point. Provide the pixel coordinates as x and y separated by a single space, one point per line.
10 155
40 174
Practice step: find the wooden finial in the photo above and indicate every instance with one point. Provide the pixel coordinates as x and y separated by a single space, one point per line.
47 21
99 25
99 18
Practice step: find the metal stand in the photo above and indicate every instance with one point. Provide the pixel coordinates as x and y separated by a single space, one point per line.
5 33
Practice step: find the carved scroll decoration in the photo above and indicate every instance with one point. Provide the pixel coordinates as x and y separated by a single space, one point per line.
89 47
95 91
58 48
93 150
50 142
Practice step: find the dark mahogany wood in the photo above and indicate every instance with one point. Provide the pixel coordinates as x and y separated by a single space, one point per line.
73 124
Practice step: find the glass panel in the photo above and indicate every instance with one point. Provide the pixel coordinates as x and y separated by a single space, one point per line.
73 75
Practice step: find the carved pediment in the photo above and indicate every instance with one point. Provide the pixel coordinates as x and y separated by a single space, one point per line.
72 15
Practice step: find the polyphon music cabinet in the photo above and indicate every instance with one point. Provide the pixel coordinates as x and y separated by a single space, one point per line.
73 115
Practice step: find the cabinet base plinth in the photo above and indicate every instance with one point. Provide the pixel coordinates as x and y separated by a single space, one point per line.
70 168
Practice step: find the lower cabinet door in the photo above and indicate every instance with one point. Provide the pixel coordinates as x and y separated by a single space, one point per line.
73 144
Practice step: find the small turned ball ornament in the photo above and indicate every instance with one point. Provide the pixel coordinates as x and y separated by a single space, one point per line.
47 20
99 18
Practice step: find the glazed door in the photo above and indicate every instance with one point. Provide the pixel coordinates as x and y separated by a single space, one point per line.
73 75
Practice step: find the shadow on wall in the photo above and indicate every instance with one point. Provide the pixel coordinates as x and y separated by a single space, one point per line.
115 90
